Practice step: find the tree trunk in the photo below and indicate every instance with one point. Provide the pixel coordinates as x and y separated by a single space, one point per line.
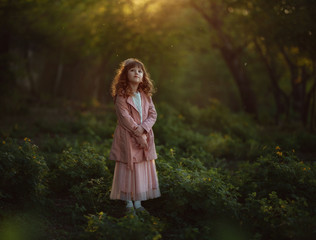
241 78
58 75
28 56
280 97
231 55
299 100
96 87
313 98
6 76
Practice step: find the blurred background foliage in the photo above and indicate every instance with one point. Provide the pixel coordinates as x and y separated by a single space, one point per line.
235 133
253 56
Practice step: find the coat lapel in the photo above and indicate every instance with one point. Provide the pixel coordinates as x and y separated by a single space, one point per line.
131 102
143 103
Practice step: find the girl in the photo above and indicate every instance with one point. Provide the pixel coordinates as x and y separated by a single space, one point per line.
133 148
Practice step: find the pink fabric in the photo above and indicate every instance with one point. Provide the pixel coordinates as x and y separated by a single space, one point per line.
139 184
125 146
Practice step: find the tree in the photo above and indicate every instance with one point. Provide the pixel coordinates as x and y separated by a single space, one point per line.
219 19
283 34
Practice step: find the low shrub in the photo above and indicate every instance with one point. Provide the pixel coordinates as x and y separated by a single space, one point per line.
102 226
278 197
217 117
76 166
93 194
193 197
273 217
171 130
23 171
23 225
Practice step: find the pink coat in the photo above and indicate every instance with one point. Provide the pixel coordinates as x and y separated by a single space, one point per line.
125 147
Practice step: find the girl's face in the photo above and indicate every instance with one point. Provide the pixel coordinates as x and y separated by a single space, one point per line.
135 75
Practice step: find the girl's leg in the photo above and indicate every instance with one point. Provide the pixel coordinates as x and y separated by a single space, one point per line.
137 204
139 207
130 208
129 204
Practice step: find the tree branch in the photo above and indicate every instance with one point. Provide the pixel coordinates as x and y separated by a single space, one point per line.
200 10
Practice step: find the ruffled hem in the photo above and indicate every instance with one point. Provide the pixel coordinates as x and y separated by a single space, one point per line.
140 184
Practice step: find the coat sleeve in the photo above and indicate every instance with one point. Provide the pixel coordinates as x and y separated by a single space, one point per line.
142 139
152 117
123 115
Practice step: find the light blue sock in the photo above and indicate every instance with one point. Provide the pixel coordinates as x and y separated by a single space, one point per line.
137 204
129 204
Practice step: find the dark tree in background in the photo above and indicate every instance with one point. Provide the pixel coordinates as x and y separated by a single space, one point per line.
217 16
254 56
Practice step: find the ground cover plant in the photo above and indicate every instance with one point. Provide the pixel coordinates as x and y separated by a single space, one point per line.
218 180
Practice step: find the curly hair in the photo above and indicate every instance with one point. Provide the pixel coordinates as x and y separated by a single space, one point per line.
120 84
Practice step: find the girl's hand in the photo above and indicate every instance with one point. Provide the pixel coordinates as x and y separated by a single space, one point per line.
142 141
139 131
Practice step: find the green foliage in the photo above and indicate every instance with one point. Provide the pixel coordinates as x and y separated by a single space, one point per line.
306 142
197 193
93 194
78 166
102 226
171 129
278 195
218 179
74 49
212 129
213 164
280 171
23 171
279 218
25 225
217 117
81 124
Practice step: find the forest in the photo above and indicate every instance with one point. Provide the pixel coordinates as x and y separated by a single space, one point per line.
235 134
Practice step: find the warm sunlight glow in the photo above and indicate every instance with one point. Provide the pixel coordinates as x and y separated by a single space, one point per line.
150 5
140 2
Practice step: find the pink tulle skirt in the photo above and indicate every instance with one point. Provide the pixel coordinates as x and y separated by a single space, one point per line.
139 184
